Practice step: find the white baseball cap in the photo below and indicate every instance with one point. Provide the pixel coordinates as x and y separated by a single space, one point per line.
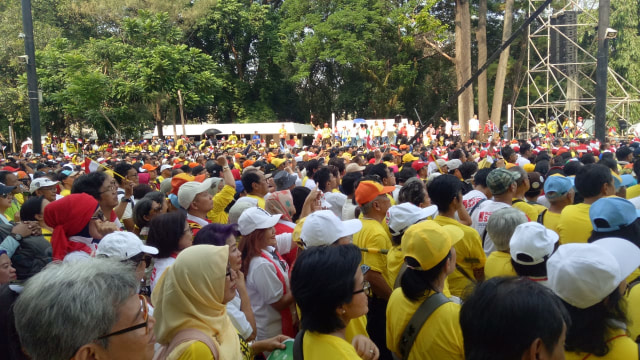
239 207
400 217
256 218
40 183
534 241
324 228
165 167
189 190
123 245
585 274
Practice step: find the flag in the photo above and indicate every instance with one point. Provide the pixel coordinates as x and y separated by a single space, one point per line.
90 165
26 146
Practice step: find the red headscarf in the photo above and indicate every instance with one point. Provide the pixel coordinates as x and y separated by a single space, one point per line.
69 216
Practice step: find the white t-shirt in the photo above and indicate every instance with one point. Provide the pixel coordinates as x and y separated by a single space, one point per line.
474 124
310 184
348 210
337 201
470 199
160 265
238 318
479 220
411 130
264 289
522 161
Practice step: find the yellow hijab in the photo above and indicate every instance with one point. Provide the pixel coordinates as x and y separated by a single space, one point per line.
189 295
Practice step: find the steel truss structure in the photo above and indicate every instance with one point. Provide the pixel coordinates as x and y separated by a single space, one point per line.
560 85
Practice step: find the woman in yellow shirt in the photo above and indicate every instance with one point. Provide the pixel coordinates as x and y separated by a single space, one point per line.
430 257
590 280
191 294
330 290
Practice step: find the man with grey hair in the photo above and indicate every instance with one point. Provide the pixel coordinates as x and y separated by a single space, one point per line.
84 310
500 227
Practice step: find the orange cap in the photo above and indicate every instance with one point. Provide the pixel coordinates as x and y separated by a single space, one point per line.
149 167
369 190
247 163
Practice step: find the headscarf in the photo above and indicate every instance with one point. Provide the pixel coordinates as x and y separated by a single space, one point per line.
280 202
189 295
69 216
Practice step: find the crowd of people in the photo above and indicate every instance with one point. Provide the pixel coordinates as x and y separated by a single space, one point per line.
378 249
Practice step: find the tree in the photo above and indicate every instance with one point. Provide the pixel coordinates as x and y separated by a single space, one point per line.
463 64
481 36
501 74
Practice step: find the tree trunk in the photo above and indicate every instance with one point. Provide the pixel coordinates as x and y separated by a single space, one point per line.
158 118
501 74
463 65
481 36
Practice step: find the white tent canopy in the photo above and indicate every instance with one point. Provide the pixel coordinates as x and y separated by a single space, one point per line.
240 129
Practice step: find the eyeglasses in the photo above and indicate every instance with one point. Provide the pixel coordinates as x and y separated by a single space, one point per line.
145 316
109 188
137 259
4 196
366 289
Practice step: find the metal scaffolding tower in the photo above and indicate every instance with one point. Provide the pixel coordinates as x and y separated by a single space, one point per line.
561 67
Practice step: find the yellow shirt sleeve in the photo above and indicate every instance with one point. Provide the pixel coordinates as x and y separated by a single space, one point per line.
529 210
191 350
317 346
220 202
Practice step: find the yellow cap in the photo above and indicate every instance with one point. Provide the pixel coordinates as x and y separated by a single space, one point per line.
409 157
277 162
529 168
429 243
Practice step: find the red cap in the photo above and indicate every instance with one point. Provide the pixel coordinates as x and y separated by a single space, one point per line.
417 165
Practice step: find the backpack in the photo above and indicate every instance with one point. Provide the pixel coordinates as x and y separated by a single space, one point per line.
184 336
33 254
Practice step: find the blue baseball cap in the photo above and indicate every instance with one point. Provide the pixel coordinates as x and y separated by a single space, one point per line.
611 213
239 186
557 186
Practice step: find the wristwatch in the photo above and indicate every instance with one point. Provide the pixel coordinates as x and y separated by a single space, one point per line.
127 200
18 237
226 167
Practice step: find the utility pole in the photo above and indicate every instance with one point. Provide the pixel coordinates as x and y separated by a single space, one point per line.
602 67
32 77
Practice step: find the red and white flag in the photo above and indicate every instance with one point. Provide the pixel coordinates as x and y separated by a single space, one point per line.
90 165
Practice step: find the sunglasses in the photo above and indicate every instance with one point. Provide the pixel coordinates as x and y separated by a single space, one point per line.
144 309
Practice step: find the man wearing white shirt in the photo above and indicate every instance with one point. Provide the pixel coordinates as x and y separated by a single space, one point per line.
474 127
525 152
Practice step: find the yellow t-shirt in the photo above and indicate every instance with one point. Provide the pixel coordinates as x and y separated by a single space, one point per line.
46 233
374 236
551 220
469 254
620 347
527 209
633 312
316 346
575 224
65 192
357 326
395 259
498 264
220 202
439 338
633 191
191 350
261 203
539 208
